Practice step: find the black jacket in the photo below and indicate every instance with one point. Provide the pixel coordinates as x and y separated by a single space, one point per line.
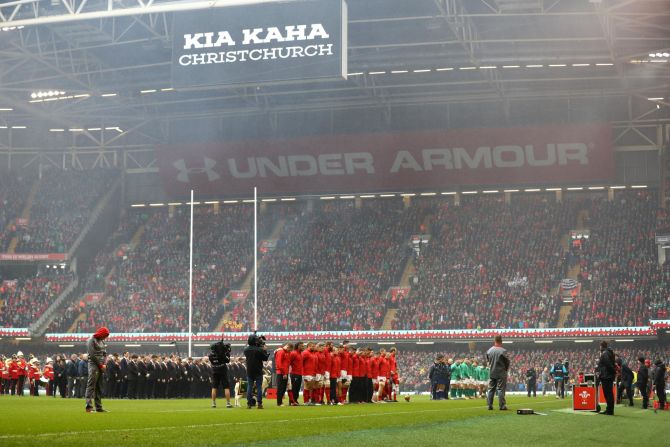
659 375
606 366
71 368
626 374
132 371
642 376
255 356
531 375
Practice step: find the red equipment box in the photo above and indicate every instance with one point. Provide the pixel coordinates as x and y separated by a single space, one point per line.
584 398
271 393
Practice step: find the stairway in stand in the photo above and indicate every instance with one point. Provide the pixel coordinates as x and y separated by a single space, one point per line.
387 324
574 271
25 214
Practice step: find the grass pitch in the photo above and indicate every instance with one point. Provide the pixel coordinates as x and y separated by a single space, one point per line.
44 421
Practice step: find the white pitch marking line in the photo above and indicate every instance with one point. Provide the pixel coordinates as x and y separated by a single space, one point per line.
227 424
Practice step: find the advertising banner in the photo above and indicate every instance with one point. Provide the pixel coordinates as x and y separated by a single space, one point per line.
264 43
398 162
33 256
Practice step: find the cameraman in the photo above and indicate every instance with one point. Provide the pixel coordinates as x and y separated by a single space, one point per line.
219 357
255 354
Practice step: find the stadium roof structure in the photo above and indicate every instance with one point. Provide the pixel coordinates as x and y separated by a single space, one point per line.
96 73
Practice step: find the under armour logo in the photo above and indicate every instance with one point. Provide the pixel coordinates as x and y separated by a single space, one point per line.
184 172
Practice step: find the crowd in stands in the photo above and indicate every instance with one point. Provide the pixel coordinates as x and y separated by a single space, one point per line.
61 208
414 365
24 300
333 265
14 190
489 264
622 282
148 291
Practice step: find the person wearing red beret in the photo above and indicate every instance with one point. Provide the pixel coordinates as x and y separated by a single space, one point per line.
96 367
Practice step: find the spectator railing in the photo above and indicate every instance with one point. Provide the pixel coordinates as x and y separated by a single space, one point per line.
375 336
14 332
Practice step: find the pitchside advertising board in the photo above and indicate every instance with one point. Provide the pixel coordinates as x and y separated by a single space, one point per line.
427 160
264 43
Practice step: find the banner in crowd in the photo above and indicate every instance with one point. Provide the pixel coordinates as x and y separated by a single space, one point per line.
268 245
252 44
33 256
427 160
237 295
10 284
22 221
398 293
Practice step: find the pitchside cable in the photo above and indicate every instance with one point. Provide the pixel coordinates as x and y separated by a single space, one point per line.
255 259
190 284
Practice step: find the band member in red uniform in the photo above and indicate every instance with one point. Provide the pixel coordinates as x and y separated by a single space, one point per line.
23 372
295 365
49 375
34 375
13 374
282 364
4 375
309 360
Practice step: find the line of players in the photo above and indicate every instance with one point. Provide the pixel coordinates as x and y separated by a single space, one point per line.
328 373
459 379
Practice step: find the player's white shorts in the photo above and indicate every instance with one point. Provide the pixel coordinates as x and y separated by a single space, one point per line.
381 379
308 378
349 378
343 373
319 378
326 376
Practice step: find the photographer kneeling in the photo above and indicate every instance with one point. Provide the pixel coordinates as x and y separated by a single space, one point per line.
255 354
219 357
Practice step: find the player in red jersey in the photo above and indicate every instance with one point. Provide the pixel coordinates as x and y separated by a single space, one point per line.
328 359
395 377
282 365
335 368
384 373
309 360
355 386
295 369
317 393
374 368
345 378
